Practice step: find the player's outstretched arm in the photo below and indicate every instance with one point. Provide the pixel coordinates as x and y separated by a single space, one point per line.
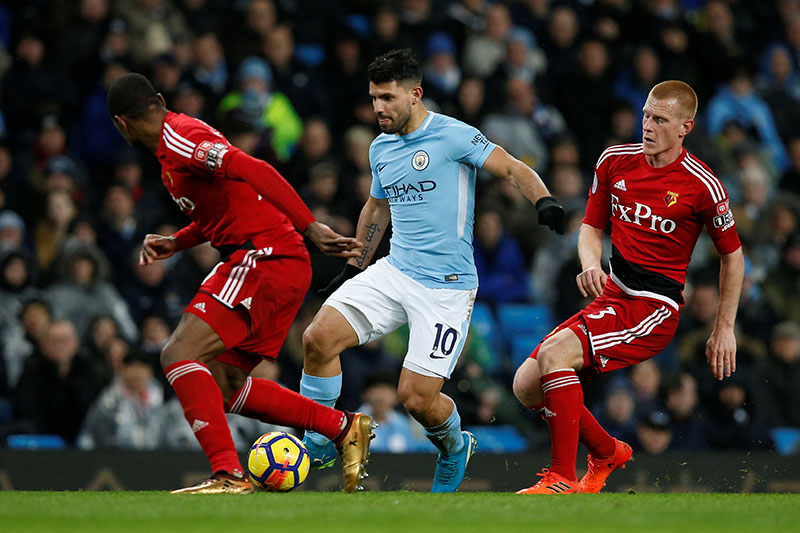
527 181
270 185
592 279
372 224
161 247
721 345
157 247
330 242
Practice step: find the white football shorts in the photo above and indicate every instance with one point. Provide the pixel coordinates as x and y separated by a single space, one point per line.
381 299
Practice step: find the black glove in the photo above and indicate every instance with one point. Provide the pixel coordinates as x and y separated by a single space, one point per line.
551 214
348 272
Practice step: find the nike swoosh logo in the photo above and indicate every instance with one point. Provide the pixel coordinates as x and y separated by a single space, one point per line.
434 356
381 167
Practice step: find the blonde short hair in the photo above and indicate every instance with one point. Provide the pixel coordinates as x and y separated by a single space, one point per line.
684 95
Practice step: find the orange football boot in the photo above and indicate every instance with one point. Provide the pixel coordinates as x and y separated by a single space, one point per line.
599 469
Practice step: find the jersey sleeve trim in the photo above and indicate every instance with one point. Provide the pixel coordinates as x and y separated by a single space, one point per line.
711 182
176 142
620 149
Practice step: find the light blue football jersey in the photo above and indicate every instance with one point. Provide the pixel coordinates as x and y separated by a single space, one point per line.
428 176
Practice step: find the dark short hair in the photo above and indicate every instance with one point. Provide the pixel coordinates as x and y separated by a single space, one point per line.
131 95
136 355
396 65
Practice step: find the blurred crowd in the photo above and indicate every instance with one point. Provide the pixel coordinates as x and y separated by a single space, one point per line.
554 82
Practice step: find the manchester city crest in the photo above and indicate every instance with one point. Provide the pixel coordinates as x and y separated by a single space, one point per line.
420 160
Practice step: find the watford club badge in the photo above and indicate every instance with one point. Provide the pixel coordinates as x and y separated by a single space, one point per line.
671 198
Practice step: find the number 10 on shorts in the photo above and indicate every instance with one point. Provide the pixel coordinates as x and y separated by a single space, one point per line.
445 339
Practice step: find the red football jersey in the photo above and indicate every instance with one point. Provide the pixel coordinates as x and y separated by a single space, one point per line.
657 214
226 210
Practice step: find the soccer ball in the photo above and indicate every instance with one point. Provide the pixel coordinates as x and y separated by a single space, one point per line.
278 462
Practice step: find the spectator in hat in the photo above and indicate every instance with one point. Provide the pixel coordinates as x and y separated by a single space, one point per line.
264 108
116 46
441 70
653 432
735 421
17 277
618 412
50 142
189 100
83 292
12 230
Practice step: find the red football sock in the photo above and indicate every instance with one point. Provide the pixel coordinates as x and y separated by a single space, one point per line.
594 437
269 402
203 408
563 398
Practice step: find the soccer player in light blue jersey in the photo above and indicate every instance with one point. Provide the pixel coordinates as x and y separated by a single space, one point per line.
423 178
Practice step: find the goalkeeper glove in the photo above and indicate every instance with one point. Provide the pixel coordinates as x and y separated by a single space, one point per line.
551 214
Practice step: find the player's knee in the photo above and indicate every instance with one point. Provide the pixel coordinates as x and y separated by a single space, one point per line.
550 357
316 345
414 402
527 387
168 355
172 352
229 388
520 386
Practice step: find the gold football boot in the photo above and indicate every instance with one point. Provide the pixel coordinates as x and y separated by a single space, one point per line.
353 446
221 483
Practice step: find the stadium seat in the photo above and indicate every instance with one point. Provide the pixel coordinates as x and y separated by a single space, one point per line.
483 322
484 325
310 54
499 439
787 440
36 442
521 347
524 319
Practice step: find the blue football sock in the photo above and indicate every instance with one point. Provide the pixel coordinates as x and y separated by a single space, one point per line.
447 436
322 390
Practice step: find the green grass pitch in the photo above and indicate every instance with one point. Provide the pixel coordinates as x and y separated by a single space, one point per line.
396 511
